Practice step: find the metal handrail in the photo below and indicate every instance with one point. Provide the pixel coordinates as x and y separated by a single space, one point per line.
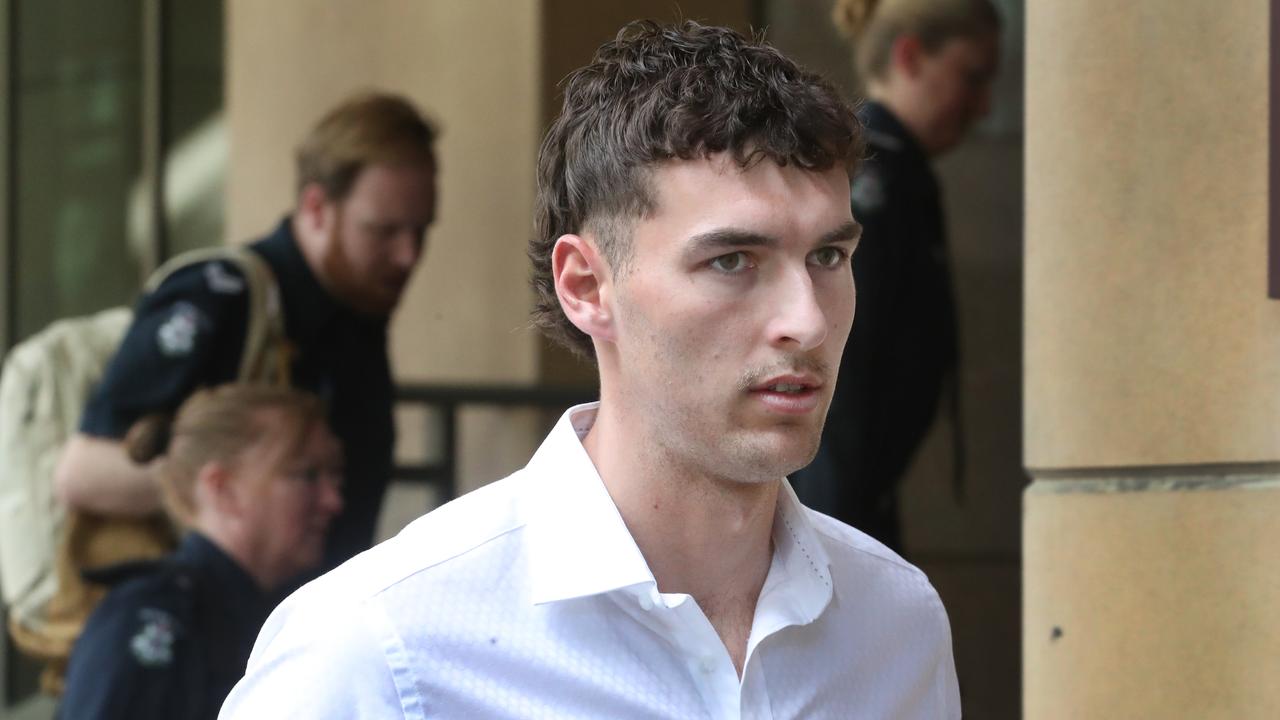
449 399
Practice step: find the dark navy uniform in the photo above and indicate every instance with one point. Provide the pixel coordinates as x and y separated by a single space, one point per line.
902 351
170 639
190 333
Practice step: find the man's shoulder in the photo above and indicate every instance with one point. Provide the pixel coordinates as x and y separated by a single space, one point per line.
449 539
862 564
206 278
187 301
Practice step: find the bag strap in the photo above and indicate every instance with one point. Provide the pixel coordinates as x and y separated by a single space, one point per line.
267 352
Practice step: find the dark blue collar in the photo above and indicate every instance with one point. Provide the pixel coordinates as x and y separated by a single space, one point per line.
221 578
886 132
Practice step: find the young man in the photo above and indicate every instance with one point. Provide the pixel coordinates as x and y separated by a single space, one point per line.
694 236
366 196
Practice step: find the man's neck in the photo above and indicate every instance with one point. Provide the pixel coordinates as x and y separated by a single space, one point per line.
311 246
705 536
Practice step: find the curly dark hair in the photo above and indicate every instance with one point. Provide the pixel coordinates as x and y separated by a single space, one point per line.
657 93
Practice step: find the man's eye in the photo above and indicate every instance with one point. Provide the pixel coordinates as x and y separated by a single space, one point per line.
314 475
731 263
828 257
380 231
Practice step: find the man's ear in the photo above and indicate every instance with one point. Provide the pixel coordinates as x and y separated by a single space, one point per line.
906 53
314 208
582 283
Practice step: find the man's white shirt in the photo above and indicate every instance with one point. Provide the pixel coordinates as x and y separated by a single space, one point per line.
528 598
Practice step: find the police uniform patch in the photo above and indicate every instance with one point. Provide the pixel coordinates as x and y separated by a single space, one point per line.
221 281
153 645
867 192
177 335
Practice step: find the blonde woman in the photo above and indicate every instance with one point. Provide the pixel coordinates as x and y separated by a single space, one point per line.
254 475
927 67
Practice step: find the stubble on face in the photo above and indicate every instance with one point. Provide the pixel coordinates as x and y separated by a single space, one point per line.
345 274
694 343
376 236
706 435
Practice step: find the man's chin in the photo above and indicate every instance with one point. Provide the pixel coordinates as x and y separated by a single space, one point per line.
376 306
779 456
801 451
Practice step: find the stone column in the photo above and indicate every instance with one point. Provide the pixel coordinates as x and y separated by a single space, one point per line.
1152 386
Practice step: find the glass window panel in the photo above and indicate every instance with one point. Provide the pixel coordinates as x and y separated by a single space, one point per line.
76 151
80 211
197 136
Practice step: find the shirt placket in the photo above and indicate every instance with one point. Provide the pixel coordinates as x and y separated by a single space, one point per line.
754 693
679 619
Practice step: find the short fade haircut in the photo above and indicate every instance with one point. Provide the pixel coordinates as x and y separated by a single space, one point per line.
662 93
367 129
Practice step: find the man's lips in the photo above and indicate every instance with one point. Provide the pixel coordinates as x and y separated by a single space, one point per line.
801 382
789 394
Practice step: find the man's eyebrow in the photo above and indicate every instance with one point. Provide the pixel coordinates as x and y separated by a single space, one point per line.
848 232
729 238
722 238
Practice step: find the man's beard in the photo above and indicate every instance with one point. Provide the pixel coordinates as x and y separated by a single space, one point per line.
344 281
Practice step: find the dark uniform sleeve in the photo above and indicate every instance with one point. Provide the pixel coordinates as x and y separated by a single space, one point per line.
130 663
186 334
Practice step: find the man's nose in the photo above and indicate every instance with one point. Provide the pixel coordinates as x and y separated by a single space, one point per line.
798 321
407 249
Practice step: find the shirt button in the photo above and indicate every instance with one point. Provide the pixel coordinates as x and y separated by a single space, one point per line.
707 665
646 602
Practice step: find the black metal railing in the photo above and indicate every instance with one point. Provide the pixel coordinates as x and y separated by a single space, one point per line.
448 400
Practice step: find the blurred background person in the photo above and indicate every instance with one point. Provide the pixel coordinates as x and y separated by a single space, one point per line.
254 475
365 198
927 67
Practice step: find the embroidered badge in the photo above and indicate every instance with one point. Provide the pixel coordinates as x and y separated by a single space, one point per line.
221 280
153 645
867 192
177 335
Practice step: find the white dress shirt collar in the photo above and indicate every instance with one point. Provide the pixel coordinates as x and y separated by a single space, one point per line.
528 597
579 545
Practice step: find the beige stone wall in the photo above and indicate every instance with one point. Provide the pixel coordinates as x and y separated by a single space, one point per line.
1150 338
1153 599
475 67
1152 415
